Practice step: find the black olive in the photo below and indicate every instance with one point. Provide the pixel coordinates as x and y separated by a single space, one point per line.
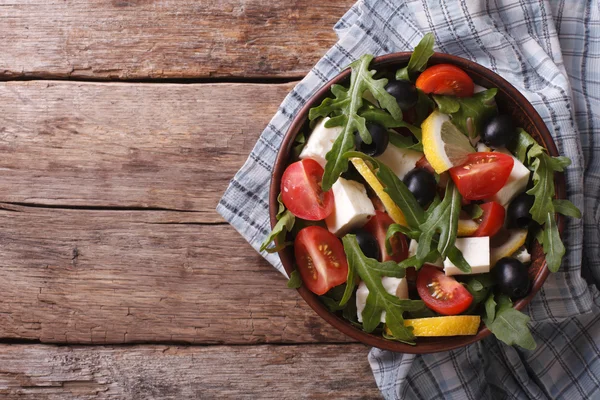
517 214
511 277
367 243
405 93
499 131
379 140
422 184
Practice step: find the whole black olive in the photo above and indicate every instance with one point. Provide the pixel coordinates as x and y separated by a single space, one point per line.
499 131
517 214
379 140
367 243
405 93
422 184
511 277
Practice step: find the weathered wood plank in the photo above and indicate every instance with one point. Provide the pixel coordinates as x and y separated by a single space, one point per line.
161 372
78 276
171 146
139 39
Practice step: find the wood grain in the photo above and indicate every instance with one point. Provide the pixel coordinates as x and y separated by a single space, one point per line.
86 276
179 373
153 39
172 146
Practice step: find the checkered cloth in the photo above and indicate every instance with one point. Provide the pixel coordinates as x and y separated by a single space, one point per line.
550 51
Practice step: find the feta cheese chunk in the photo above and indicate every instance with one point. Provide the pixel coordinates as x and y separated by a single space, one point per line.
320 142
394 286
401 161
476 251
352 207
516 183
412 250
523 255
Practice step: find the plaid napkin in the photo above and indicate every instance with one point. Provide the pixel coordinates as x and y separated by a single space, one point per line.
550 51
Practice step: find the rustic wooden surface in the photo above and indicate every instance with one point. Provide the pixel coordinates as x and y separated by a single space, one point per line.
118 276
141 39
172 372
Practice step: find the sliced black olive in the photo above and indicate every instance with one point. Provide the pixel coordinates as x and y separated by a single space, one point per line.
422 184
511 277
517 214
405 93
367 243
499 131
379 140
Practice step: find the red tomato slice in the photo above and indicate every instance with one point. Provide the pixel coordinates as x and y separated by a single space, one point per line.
301 191
491 220
441 293
482 175
446 79
423 163
320 258
378 226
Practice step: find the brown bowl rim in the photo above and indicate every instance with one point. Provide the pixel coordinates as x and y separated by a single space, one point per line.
477 72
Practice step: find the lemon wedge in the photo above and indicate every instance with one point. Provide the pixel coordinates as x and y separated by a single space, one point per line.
392 209
452 325
443 144
513 240
466 227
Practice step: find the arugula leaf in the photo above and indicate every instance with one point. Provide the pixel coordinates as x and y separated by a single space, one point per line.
478 286
507 324
554 249
332 298
347 103
397 228
544 207
469 113
423 107
457 258
295 280
565 207
285 223
418 59
490 310
396 189
384 119
474 210
447 104
443 220
544 167
379 300
298 146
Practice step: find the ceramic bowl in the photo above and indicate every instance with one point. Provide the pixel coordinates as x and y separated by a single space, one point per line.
510 101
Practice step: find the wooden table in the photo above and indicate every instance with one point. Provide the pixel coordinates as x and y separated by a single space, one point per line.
121 123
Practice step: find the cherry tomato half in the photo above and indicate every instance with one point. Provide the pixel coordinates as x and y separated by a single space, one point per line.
378 226
446 79
320 258
483 175
491 220
301 191
441 293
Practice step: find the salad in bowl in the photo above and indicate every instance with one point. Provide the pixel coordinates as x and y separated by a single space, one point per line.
415 203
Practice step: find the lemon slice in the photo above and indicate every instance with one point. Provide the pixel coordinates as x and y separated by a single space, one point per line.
443 144
514 239
452 325
466 227
392 209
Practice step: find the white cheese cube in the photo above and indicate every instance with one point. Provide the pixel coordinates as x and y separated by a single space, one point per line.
476 251
412 250
394 286
401 161
320 142
522 255
352 207
516 183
